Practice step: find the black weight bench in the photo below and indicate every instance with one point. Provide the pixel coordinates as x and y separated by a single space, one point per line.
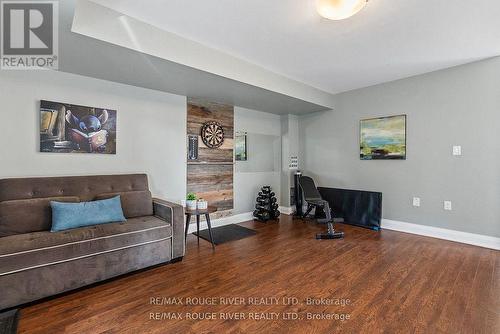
314 200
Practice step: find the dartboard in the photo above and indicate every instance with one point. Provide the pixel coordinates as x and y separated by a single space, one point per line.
212 134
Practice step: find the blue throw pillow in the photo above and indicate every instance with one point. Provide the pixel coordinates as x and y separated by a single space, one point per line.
66 216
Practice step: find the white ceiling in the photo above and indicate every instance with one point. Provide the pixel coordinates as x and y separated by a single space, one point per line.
388 40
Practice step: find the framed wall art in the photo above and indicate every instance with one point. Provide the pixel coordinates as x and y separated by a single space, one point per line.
383 138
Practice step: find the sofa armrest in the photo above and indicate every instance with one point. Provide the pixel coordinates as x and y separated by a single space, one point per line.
174 214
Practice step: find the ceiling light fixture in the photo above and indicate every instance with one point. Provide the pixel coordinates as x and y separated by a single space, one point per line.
339 9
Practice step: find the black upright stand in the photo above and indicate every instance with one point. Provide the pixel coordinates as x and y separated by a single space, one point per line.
266 206
297 194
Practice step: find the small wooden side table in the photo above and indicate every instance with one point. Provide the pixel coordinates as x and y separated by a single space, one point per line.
198 213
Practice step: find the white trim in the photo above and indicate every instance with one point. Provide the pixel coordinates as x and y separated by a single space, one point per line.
287 210
442 233
235 219
83 256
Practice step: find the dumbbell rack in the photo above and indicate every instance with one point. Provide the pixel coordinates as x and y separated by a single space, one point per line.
266 207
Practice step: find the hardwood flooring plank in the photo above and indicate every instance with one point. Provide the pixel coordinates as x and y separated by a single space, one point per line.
451 317
477 314
395 282
397 307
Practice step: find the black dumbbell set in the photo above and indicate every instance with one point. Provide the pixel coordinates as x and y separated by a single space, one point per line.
266 206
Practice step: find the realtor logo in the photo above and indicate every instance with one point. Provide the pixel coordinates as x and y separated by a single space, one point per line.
29 34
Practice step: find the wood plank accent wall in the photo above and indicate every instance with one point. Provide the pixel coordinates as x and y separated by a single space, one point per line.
211 175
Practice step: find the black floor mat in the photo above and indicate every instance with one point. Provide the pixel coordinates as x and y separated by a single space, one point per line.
227 233
8 322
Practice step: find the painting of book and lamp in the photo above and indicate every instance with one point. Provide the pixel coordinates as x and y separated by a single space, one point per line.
69 128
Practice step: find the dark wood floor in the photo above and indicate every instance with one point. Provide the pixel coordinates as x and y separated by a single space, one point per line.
395 283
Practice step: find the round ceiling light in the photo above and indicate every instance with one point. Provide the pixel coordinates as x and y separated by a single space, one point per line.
339 9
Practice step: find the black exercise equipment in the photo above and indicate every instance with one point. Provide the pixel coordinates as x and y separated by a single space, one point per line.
297 194
356 207
313 199
266 206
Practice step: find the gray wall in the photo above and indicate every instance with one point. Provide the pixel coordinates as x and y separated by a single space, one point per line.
247 183
457 106
151 128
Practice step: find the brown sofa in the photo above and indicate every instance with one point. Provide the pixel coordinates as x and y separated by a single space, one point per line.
36 263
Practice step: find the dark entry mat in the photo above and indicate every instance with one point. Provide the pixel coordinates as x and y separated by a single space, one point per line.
227 233
8 322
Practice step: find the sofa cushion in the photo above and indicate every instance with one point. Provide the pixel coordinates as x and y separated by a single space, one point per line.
29 251
134 203
84 187
28 215
67 216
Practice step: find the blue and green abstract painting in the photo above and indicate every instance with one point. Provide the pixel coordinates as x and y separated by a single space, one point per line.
383 138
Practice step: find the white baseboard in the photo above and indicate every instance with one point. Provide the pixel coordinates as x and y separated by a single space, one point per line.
235 219
287 210
441 233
